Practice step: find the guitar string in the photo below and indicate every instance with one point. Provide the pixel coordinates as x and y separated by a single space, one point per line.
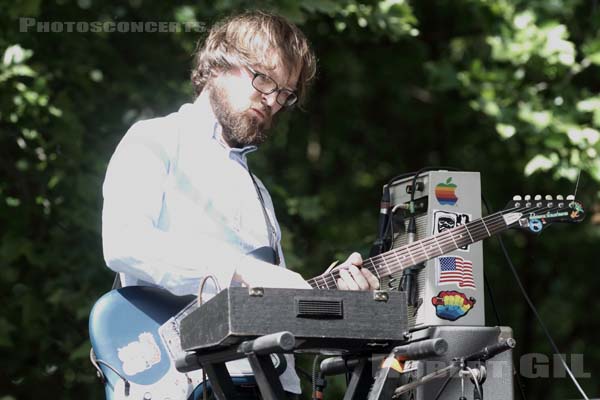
417 252
477 228
478 231
447 238
494 226
442 239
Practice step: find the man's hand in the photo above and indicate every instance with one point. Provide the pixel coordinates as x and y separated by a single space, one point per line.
352 277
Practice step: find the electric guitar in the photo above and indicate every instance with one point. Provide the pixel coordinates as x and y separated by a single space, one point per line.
127 326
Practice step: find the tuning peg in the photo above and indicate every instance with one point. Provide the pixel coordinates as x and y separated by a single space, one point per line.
559 197
570 197
537 197
548 197
527 197
517 198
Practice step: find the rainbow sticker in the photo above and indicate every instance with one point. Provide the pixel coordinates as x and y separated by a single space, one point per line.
445 193
452 305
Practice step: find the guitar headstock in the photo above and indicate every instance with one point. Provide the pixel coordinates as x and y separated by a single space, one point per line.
534 214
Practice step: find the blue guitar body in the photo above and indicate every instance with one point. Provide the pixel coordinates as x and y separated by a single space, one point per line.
124 331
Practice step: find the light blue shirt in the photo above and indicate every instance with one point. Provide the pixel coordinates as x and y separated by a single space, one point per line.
179 204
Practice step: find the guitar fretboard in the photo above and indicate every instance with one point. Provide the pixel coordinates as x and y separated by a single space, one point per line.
422 250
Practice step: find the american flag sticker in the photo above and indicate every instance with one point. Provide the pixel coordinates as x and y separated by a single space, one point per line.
453 270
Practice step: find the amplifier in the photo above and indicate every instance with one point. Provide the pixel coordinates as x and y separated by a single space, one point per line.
334 319
450 289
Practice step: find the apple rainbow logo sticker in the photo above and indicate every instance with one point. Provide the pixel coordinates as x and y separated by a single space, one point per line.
445 193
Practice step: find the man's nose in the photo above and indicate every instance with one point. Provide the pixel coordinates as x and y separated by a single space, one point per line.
270 99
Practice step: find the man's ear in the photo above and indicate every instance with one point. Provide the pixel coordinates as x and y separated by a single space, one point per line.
216 73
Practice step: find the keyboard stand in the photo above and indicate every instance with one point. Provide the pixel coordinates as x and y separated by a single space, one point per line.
258 352
361 380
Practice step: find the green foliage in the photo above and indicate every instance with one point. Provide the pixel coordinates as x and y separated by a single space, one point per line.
506 87
543 64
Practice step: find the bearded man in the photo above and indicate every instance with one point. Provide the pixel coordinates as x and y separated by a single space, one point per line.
180 203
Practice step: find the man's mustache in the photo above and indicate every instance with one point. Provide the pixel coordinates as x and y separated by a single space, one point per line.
266 110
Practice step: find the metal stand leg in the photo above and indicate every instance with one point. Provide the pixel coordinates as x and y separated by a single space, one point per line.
387 379
266 377
220 381
360 383
258 352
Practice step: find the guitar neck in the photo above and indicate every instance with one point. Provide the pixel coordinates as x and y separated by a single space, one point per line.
422 250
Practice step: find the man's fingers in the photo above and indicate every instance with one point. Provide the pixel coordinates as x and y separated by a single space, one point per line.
347 279
359 278
353 277
372 279
355 259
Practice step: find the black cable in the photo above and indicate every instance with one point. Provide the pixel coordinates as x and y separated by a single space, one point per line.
204 382
446 382
535 312
388 232
113 369
476 384
488 288
425 169
407 282
540 321
303 372
314 374
415 176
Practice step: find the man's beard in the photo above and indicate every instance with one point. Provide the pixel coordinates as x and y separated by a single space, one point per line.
240 129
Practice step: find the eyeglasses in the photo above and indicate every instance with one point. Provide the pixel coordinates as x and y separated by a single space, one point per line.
266 85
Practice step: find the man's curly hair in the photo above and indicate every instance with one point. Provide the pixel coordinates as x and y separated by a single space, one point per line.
254 38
